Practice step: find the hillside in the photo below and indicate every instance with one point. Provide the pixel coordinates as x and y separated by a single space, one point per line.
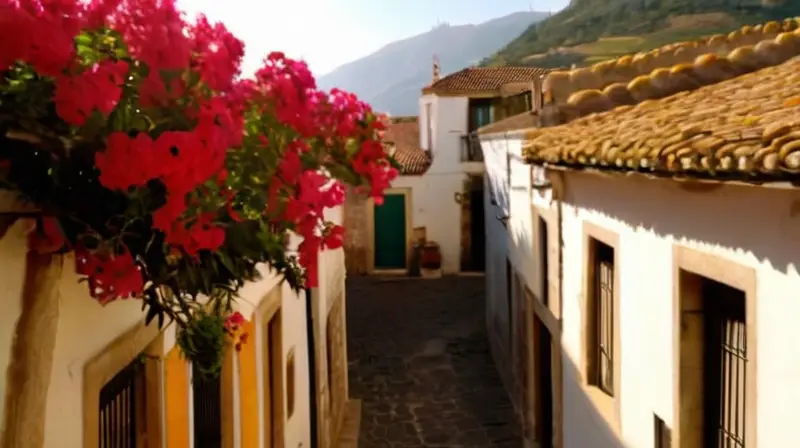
588 31
391 78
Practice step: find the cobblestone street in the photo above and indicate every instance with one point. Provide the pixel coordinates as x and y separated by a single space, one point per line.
420 363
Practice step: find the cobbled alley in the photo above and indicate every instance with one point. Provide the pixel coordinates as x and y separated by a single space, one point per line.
420 363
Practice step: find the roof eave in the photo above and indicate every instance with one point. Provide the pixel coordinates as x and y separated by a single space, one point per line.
683 177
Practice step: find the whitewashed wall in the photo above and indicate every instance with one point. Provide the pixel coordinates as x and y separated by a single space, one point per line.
433 202
85 328
756 227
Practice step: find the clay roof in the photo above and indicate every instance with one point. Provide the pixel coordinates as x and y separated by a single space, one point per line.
613 77
483 79
403 133
745 128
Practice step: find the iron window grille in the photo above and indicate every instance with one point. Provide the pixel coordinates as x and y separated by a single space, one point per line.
604 318
120 400
727 365
207 406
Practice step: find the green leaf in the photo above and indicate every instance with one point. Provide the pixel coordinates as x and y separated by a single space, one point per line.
226 261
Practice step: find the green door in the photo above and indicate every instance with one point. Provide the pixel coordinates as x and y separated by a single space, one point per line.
390 233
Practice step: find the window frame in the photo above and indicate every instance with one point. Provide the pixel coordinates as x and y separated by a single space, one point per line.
607 405
141 340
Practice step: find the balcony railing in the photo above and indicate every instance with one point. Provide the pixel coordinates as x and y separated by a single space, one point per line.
471 148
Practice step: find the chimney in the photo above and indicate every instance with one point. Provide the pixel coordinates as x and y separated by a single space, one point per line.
537 95
435 69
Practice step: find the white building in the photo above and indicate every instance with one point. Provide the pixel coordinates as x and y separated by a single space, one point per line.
77 374
438 196
642 288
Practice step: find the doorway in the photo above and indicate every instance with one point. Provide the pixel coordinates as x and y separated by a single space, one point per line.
473 228
725 351
390 233
544 265
273 380
714 363
544 383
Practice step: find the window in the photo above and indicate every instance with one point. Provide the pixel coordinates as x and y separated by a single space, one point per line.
207 407
716 382
663 435
601 318
726 364
480 114
122 400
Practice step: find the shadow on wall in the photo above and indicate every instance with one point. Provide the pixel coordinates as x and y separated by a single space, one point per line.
582 424
754 218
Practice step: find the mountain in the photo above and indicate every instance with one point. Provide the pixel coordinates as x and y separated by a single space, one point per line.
391 78
589 31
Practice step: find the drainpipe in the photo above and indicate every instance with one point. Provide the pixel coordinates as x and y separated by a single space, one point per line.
312 368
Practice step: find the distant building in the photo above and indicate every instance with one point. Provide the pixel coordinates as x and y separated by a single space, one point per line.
439 194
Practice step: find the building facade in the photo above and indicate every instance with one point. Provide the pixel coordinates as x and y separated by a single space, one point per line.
439 194
99 377
641 277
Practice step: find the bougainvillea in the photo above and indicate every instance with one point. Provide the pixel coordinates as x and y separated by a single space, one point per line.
168 175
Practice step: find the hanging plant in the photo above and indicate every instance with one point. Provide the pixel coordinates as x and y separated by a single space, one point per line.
167 175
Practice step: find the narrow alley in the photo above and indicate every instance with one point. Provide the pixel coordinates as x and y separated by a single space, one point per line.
420 363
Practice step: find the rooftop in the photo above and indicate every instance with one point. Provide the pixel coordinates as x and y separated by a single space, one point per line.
477 80
745 128
403 133
726 107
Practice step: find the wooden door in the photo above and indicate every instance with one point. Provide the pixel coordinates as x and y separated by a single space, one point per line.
390 233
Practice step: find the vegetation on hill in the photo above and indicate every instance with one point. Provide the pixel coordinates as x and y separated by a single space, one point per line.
588 31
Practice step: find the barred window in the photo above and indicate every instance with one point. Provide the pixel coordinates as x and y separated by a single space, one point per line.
602 318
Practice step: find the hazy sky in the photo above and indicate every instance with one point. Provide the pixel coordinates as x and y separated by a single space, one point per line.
329 33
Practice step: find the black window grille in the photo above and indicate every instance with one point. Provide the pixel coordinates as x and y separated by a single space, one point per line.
663 434
118 408
726 352
604 317
207 406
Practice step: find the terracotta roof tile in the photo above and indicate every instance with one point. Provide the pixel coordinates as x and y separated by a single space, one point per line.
745 128
403 133
483 79
560 86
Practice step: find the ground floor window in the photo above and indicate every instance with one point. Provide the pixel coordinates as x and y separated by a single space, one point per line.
122 408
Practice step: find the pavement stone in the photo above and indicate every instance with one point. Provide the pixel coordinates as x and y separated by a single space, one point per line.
419 360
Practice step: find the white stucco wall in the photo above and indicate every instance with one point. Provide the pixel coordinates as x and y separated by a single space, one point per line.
85 328
496 200
755 227
433 201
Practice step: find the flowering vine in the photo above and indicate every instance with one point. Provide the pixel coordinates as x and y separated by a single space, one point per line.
168 175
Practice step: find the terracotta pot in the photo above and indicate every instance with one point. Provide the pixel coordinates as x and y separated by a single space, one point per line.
431 256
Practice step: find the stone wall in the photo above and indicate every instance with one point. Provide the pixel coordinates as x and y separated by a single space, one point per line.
356 242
